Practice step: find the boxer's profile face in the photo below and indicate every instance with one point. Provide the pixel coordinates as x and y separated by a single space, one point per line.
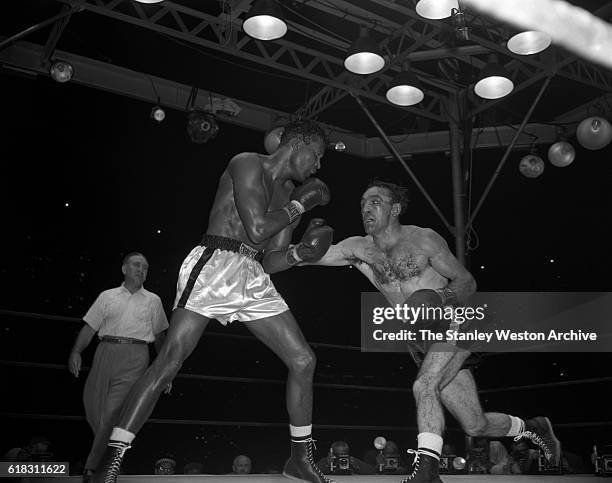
376 209
307 157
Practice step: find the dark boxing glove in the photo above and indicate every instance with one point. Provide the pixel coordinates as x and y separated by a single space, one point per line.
314 244
313 192
431 298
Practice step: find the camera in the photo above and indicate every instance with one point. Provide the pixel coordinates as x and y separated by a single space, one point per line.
390 464
340 464
602 459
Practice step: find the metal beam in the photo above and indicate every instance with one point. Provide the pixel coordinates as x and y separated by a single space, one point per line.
111 78
136 85
283 55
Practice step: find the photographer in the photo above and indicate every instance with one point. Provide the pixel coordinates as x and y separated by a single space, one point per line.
339 462
388 461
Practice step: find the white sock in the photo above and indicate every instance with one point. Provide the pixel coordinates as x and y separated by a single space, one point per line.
122 435
432 442
517 426
300 431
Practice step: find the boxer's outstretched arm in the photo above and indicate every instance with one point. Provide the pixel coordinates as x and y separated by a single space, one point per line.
342 253
461 282
250 198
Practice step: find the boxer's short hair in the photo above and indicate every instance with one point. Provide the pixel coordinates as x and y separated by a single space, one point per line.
305 130
399 194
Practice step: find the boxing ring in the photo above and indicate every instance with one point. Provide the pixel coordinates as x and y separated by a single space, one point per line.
16 325
339 479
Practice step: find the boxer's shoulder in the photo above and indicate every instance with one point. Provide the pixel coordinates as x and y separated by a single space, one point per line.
247 161
423 239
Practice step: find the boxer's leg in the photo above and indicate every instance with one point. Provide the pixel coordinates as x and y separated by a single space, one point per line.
460 397
283 336
440 365
186 328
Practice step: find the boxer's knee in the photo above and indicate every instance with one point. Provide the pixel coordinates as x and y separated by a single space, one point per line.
426 384
304 363
476 427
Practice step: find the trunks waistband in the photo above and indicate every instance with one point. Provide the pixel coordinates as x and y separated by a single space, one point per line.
223 243
121 340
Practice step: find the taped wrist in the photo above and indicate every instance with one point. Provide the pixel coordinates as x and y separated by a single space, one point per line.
293 209
447 295
292 257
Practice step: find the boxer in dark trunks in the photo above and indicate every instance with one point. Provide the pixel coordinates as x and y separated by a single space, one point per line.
414 266
256 208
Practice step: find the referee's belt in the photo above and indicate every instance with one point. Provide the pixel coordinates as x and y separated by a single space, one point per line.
229 244
121 340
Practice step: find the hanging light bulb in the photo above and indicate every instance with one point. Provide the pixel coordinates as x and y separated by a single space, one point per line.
532 165
493 81
561 154
594 133
405 89
61 71
529 42
364 56
158 114
436 9
265 21
149 1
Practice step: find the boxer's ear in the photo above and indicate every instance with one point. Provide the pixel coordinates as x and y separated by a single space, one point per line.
396 209
296 144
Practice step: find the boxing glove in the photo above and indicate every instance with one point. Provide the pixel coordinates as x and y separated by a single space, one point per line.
314 244
313 192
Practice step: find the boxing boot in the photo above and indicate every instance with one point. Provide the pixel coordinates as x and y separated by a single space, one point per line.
110 466
301 464
424 468
540 432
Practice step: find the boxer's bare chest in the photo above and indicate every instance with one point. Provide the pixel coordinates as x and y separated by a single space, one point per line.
398 264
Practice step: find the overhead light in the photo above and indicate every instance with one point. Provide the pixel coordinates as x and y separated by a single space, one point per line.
158 114
529 42
436 9
594 133
265 21
405 89
561 153
149 1
61 71
493 81
201 126
364 56
532 165
338 146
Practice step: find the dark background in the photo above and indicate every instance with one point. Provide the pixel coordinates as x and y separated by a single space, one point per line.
87 177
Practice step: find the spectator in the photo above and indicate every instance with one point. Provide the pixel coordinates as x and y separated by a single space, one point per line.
126 319
384 460
242 465
521 460
339 461
37 449
165 466
193 468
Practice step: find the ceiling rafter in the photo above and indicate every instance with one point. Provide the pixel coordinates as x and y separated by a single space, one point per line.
322 68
